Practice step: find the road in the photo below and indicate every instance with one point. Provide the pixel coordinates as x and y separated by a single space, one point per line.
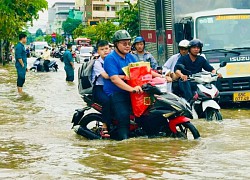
37 141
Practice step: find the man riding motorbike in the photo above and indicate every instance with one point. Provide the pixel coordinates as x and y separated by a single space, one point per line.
194 63
115 87
141 55
171 62
46 57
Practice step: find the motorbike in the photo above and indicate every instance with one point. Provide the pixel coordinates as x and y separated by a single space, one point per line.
205 101
167 112
38 65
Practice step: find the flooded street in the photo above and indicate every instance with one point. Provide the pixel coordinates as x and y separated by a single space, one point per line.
36 140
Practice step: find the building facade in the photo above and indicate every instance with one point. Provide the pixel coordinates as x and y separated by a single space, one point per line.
57 14
97 10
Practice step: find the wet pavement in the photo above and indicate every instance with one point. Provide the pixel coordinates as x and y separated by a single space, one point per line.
36 140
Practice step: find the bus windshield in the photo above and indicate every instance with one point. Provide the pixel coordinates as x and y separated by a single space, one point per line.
224 31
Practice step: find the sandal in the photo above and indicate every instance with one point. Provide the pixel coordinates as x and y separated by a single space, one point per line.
104 133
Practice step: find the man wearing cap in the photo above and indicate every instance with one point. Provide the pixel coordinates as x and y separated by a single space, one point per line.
141 55
115 87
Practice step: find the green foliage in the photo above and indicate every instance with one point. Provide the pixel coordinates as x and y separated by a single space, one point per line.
103 30
40 38
79 31
14 14
70 25
129 19
48 39
30 37
39 32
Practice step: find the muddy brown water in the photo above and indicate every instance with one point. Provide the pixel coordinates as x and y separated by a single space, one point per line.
36 140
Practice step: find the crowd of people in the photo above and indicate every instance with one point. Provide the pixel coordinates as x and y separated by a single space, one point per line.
110 89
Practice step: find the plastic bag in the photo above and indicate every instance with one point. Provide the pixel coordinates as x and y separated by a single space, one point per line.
139 75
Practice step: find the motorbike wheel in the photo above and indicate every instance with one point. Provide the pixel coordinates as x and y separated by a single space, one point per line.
184 129
93 124
33 69
213 114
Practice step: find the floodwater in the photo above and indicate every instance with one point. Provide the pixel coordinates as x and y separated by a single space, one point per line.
36 140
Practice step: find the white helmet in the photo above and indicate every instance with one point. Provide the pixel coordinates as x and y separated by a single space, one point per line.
184 43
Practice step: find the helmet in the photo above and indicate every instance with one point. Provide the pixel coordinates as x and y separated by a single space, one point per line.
195 43
121 35
139 39
183 44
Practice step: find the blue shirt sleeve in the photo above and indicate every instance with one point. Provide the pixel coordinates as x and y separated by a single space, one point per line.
110 66
135 56
153 62
18 52
70 57
179 61
206 66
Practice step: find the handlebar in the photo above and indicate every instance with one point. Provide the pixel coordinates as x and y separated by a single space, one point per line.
203 77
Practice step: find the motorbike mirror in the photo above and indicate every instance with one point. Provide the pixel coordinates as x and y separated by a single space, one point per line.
223 64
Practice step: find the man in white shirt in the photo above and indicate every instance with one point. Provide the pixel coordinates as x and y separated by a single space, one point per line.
46 57
171 62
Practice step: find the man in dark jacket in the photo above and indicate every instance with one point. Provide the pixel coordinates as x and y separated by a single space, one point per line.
194 63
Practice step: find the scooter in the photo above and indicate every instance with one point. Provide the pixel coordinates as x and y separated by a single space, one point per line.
38 65
167 111
205 101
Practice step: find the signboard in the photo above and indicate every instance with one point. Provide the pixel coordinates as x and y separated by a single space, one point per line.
53 39
53 35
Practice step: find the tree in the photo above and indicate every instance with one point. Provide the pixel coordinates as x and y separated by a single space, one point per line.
103 30
39 32
30 37
70 25
129 19
79 31
14 16
40 38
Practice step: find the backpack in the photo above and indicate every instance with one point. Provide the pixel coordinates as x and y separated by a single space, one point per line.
85 84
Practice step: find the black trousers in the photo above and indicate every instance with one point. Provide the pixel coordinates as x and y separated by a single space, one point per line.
121 107
102 98
187 89
46 65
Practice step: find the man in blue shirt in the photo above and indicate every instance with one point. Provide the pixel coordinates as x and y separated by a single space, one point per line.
69 63
141 55
21 62
116 88
193 63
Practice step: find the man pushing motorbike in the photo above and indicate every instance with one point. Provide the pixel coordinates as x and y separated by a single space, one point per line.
194 63
115 87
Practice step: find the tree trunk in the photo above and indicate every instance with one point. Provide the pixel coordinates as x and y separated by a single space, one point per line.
1 52
7 51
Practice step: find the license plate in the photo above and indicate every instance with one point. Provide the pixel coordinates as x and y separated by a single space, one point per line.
243 96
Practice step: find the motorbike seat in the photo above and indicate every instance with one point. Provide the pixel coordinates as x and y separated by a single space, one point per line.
88 98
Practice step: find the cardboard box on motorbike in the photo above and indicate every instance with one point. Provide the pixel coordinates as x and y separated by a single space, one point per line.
139 74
